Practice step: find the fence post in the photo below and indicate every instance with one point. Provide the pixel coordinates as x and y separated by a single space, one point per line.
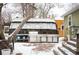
0 52
77 44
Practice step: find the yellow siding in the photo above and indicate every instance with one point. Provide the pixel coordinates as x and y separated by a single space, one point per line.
59 27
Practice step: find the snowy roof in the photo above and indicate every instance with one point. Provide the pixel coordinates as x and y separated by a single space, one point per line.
34 26
35 20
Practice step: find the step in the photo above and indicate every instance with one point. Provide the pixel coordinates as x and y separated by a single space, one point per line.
69 47
57 51
65 51
72 43
74 40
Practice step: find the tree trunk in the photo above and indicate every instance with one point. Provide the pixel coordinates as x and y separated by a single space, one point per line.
1 25
3 43
29 11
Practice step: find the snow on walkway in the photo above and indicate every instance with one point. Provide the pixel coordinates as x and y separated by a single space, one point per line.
27 50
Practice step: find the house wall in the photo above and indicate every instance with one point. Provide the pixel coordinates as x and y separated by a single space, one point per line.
75 16
59 27
75 21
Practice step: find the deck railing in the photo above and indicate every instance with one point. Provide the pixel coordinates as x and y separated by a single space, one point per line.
49 38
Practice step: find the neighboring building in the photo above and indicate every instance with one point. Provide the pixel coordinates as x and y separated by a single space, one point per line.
36 30
60 27
71 22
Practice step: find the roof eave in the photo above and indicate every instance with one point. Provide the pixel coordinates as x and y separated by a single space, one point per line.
70 11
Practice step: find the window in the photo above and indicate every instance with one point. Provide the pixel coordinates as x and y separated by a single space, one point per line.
70 20
23 37
18 37
62 27
17 17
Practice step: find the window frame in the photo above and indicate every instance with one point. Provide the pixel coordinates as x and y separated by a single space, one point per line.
70 16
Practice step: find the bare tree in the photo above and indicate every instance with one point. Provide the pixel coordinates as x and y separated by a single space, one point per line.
26 6
29 10
1 25
43 9
3 43
29 14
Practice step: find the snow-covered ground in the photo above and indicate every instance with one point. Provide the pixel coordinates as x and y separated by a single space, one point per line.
27 50
35 48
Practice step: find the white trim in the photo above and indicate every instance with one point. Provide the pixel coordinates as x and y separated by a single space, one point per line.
41 34
68 35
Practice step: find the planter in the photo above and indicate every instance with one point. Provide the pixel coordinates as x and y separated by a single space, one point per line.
5 51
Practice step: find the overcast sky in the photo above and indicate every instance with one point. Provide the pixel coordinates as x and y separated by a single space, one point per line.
57 10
